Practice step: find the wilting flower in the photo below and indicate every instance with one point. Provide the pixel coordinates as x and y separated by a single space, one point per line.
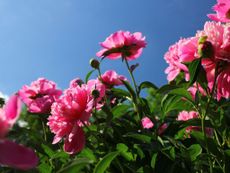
40 95
122 44
146 123
71 112
222 9
111 78
12 154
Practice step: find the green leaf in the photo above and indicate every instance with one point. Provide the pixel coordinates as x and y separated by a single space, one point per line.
153 160
120 110
183 93
103 164
194 69
76 166
124 152
141 137
166 88
120 92
88 75
130 89
147 84
194 151
89 154
48 150
44 168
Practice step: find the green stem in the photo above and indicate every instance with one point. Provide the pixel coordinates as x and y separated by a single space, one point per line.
131 75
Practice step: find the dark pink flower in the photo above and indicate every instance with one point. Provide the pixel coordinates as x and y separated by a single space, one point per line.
146 123
222 9
122 44
12 154
40 95
162 128
111 78
72 111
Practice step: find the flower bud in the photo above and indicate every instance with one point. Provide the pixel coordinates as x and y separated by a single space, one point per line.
94 63
96 94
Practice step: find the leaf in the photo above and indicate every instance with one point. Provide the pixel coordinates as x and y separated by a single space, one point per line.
124 152
193 151
76 166
147 84
166 88
89 154
88 75
183 93
48 150
153 160
141 137
131 90
120 92
103 164
194 69
120 110
44 168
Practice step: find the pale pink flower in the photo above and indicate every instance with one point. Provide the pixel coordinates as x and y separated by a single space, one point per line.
40 95
72 111
75 82
12 154
111 78
195 88
185 50
122 44
222 9
146 123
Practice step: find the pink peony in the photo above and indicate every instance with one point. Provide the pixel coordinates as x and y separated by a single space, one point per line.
72 111
40 95
146 123
111 78
12 154
196 87
219 36
185 50
122 44
222 9
162 128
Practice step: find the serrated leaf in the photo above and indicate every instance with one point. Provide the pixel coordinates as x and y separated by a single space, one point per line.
103 164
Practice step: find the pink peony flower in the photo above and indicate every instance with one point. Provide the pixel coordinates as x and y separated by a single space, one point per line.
196 87
75 82
185 50
40 95
12 154
146 123
111 78
222 9
122 44
219 36
72 111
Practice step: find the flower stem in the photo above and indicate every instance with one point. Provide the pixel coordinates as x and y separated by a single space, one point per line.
132 77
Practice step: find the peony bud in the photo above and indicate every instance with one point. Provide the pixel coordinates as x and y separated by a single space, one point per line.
94 63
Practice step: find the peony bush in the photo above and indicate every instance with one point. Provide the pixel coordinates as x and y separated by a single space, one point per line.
114 124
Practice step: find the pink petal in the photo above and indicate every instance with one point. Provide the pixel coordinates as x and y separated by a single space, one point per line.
17 156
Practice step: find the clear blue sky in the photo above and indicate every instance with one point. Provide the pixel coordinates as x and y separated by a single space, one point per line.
56 38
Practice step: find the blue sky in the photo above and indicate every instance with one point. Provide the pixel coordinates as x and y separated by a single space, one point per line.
56 39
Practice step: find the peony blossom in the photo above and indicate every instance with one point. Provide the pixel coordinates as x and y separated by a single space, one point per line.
222 9
40 95
162 128
111 78
122 44
146 123
185 50
72 111
12 154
